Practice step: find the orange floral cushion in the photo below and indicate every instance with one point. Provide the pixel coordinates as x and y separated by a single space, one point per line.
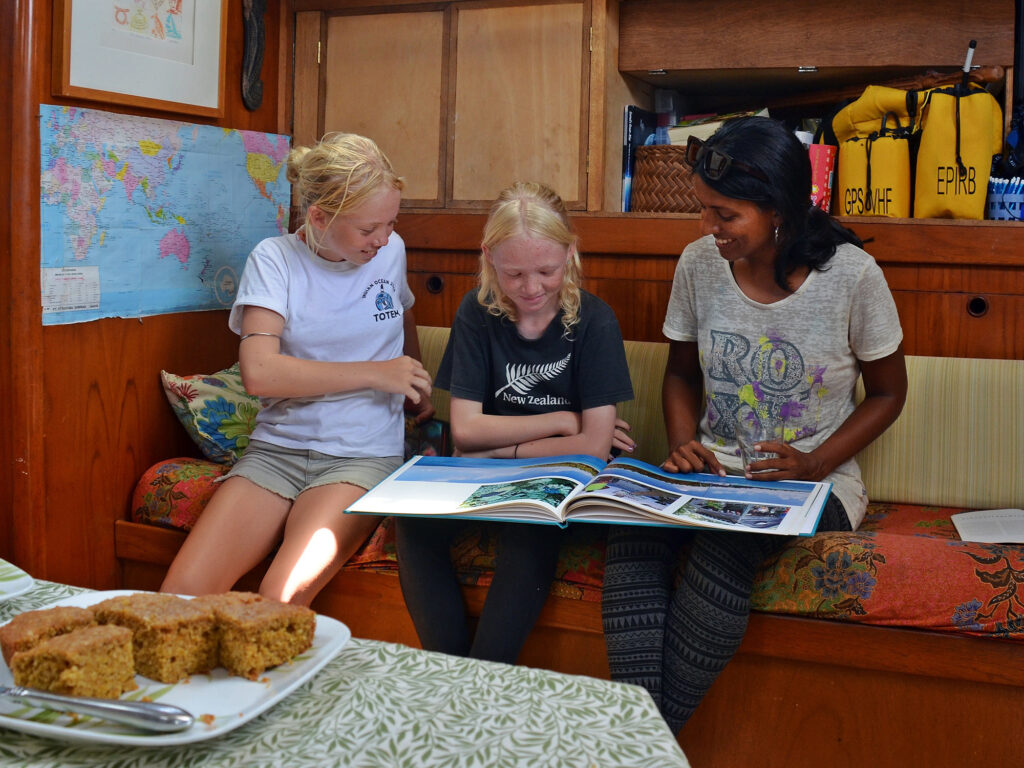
904 567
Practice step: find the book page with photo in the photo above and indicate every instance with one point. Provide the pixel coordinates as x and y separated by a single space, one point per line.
563 489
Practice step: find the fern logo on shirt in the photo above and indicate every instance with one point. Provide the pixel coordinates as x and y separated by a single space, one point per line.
523 378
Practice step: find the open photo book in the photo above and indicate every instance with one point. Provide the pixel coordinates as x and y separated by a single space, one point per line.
564 489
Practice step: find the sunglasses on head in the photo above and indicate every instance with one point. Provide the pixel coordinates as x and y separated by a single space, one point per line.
715 162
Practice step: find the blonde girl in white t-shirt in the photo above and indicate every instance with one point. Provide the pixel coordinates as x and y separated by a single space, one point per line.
328 343
774 314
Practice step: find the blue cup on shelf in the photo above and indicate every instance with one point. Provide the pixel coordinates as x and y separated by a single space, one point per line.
1005 199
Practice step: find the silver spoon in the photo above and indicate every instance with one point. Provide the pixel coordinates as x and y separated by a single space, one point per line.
147 715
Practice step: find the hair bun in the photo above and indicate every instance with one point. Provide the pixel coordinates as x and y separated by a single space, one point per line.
295 158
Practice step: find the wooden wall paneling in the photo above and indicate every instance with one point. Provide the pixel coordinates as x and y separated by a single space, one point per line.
385 75
87 414
285 66
593 75
518 76
308 101
439 281
856 717
8 25
636 288
962 324
349 5
807 687
956 243
980 279
601 24
710 35
11 30
108 420
29 29
438 308
443 230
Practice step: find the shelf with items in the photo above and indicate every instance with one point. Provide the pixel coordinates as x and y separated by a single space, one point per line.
959 285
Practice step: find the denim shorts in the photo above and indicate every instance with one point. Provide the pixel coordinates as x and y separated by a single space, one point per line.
290 471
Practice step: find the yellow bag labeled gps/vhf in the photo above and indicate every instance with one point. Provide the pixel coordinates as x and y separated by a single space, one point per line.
874 172
960 134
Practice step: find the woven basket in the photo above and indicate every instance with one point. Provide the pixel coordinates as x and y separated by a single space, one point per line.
662 181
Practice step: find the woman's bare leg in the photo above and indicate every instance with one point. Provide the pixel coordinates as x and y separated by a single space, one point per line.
318 539
239 527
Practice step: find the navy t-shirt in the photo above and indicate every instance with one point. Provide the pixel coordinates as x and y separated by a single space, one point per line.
487 361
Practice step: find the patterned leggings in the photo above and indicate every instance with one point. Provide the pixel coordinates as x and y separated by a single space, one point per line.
675 642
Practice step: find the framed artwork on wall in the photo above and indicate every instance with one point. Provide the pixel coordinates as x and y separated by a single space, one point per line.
159 54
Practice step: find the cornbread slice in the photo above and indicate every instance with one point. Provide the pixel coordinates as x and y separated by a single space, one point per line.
91 661
256 634
32 627
172 637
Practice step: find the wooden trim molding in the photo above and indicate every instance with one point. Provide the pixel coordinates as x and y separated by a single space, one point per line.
945 242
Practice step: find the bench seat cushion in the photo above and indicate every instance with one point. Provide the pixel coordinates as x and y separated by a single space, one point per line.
904 567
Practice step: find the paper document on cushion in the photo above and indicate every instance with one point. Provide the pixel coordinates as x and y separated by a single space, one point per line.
991 526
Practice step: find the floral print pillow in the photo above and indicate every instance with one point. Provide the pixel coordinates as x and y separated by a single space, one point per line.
216 411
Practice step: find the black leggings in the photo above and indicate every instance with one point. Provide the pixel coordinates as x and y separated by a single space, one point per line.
527 556
675 643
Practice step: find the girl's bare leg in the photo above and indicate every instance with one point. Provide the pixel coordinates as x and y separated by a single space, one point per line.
318 539
240 526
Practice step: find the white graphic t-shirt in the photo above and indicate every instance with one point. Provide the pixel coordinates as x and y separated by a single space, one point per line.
335 312
795 359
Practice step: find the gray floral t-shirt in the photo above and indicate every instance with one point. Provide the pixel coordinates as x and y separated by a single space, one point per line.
795 360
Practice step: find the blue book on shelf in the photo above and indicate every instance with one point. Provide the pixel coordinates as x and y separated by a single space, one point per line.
638 128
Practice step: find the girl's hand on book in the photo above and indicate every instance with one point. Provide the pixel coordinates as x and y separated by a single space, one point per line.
692 457
620 437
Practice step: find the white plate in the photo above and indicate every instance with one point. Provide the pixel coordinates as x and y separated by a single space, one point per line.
219 701
13 581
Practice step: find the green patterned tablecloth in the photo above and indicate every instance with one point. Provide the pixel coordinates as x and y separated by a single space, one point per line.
382 704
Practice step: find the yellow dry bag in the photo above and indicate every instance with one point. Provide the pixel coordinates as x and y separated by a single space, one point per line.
873 177
960 134
874 172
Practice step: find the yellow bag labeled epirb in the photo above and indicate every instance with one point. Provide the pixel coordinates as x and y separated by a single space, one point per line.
960 134
874 169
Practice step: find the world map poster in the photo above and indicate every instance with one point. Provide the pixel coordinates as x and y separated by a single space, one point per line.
142 216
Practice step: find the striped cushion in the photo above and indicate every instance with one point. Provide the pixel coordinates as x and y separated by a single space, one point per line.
959 440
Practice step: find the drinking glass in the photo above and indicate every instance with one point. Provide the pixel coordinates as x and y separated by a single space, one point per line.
754 429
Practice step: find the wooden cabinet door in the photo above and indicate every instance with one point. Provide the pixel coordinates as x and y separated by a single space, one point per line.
383 76
464 97
520 98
